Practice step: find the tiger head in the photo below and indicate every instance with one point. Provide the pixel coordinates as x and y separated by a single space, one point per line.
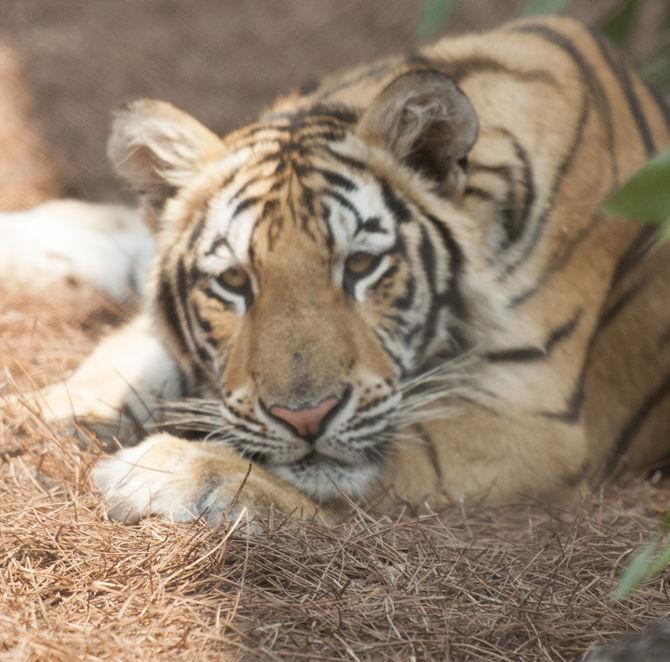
308 265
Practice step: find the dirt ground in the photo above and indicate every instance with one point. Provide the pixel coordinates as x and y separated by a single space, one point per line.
222 60
506 584
473 584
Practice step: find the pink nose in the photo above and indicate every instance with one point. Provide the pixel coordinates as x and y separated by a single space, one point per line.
306 422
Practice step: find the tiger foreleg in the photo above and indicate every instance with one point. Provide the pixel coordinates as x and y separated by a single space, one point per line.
117 388
181 480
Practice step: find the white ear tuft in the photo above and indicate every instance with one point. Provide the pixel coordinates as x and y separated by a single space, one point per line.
157 148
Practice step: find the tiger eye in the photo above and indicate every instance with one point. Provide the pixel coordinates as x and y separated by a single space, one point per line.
359 263
235 278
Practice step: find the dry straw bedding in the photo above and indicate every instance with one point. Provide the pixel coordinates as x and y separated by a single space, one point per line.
480 584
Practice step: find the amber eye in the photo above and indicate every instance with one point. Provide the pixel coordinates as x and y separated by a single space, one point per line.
235 278
359 263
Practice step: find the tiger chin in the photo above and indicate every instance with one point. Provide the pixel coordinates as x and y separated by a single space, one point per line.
398 287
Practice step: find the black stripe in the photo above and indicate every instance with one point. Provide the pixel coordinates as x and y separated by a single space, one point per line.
168 310
635 423
325 217
450 296
406 301
197 231
340 112
245 204
309 141
613 310
661 103
564 331
517 355
620 71
507 216
427 255
514 232
366 422
336 179
204 324
431 450
344 202
530 354
474 65
269 157
394 204
637 250
349 161
250 133
372 225
303 121
563 169
452 293
394 358
572 411
183 292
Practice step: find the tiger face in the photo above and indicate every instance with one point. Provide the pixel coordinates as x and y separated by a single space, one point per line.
296 279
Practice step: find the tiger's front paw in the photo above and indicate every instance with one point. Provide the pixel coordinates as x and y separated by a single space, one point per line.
181 481
163 476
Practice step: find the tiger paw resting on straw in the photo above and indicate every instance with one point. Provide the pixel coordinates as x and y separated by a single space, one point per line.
399 286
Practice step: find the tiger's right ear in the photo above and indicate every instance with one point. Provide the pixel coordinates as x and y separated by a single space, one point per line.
157 149
426 122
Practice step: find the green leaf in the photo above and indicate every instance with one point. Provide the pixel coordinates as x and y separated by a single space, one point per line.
657 68
646 196
665 231
534 7
434 14
620 23
636 572
660 562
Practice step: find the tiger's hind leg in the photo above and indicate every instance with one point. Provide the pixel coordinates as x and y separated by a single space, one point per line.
496 454
95 247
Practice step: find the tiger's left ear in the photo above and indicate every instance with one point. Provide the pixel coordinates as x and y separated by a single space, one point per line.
158 149
424 120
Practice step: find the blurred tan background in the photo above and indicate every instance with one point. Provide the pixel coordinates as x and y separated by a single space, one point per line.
222 60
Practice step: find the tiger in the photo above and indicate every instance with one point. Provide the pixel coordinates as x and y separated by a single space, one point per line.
397 286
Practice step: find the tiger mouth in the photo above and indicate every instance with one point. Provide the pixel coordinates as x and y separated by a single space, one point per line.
201 419
314 458
311 458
